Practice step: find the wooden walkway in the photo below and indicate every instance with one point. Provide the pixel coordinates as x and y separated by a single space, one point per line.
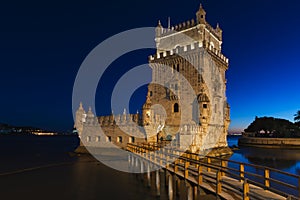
227 179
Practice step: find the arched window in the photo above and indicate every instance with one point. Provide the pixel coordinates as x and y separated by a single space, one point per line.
176 108
88 138
120 139
98 139
131 139
108 138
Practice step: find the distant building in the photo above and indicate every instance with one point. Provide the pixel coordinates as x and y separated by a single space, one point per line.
43 132
9 129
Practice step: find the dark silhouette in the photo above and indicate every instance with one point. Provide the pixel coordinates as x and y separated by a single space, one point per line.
297 118
273 127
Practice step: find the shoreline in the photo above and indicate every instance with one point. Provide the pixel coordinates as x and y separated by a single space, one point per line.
279 143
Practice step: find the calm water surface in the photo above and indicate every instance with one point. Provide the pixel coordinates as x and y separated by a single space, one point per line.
287 160
52 173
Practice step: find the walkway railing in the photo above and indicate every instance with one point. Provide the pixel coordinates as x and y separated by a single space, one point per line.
243 179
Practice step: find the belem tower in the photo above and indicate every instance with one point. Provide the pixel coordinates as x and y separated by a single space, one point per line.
186 101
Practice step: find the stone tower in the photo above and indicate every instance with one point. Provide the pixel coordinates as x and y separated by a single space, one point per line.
186 100
190 55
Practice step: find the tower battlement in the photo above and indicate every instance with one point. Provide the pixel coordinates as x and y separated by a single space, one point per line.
114 119
186 26
118 119
188 36
189 48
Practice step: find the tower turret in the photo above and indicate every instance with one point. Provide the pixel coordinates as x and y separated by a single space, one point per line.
219 31
146 118
201 15
158 29
79 119
90 114
90 117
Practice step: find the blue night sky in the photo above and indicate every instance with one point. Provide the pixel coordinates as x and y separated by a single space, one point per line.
43 44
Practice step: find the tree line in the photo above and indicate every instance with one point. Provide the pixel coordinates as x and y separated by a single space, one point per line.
274 127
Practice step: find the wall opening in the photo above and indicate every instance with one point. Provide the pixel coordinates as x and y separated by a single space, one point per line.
176 108
131 139
88 138
177 68
98 139
120 139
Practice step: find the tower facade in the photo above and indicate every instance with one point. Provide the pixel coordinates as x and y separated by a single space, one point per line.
186 101
188 74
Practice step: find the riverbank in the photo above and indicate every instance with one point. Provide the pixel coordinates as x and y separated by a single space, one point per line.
286 143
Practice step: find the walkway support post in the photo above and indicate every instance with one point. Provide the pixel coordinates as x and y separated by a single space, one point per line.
177 183
186 169
166 177
197 161
136 163
200 178
142 166
170 187
189 192
176 165
223 164
208 162
148 175
267 176
246 190
157 182
219 183
242 172
195 191
129 161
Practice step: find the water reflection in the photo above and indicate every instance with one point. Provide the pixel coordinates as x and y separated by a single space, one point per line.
287 160
283 159
275 158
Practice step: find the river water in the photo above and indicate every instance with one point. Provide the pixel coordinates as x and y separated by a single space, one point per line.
40 168
287 160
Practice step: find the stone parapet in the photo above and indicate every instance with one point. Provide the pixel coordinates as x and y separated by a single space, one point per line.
180 50
270 142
